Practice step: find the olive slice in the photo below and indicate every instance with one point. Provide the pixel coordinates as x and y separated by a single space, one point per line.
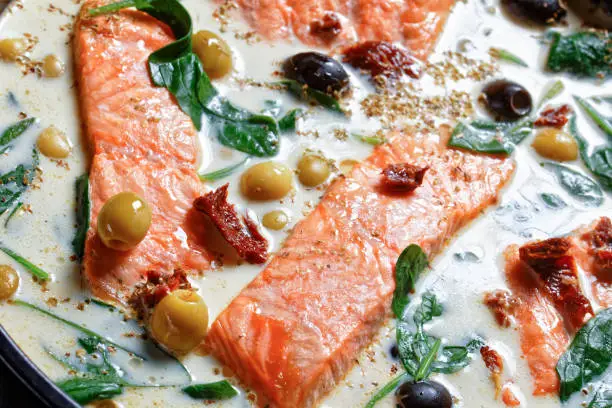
423 394
317 71
507 100
540 12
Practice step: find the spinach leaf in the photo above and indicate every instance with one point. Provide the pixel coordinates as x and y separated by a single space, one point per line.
588 356
490 137
505 55
552 92
15 130
87 389
577 184
12 214
224 172
428 359
83 204
219 390
553 200
452 359
178 69
386 390
411 262
585 54
427 310
33 269
602 120
602 397
312 95
14 183
287 122
90 344
599 162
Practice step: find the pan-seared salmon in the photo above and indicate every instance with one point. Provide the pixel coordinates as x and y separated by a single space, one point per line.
140 142
415 23
297 328
594 253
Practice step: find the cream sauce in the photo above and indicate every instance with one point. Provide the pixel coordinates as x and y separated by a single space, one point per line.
44 235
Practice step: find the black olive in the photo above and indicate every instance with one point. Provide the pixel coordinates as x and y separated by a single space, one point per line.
597 13
423 394
507 100
318 71
394 351
540 12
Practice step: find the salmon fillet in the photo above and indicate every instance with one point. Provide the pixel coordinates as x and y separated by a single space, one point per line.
141 142
594 253
296 329
415 23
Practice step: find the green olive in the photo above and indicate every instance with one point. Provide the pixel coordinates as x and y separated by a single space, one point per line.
180 321
52 66
12 48
214 53
266 181
53 143
313 170
107 403
9 282
124 221
556 145
275 220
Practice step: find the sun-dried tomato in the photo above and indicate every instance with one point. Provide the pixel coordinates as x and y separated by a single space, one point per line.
502 304
554 117
382 58
495 365
600 239
155 288
403 177
328 27
242 235
556 268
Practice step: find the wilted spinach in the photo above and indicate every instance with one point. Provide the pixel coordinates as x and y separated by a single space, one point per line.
219 390
410 264
83 204
490 137
577 184
553 200
14 183
592 107
13 132
585 54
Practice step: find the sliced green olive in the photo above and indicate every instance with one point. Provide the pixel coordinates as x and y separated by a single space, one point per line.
53 143
12 48
214 53
52 66
9 282
266 181
313 170
180 321
275 220
124 221
556 145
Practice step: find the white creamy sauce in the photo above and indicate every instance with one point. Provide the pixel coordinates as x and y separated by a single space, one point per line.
44 235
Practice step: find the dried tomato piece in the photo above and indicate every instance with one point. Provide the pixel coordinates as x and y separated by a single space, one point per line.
242 235
556 268
495 364
502 305
155 288
403 177
601 246
554 117
382 58
328 27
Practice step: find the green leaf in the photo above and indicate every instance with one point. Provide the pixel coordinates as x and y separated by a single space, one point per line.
553 200
374 140
601 119
287 122
602 397
102 304
14 183
585 54
490 137
577 184
452 359
85 390
83 204
386 390
552 92
14 131
220 390
309 94
599 162
12 213
588 356
252 136
430 357
504 55
410 264
33 269
427 310
90 343
224 172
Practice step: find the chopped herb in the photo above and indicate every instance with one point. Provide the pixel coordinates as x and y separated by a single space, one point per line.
33 269
504 55
588 356
102 304
309 94
552 92
599 162
603 121
386 390
12 213
287 123
178 69
410 264
14 183
602 397
82 215
374 140
15 130
224 172
577 184
585 54
490 137
219 390
553 200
